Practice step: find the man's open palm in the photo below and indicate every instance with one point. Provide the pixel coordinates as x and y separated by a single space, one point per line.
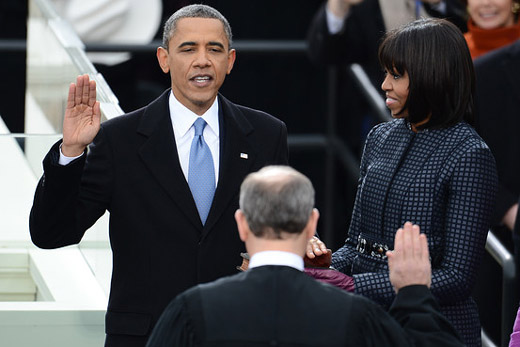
82 117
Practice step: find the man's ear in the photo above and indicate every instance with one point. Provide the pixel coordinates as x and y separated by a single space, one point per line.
243 227
232 54
162 58
312 224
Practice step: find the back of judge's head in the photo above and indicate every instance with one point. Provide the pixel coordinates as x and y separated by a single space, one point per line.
276 199
436 57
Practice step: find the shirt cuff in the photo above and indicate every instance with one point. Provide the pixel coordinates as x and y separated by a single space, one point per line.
64 160
334 23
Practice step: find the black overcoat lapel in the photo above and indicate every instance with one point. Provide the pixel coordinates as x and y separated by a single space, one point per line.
237 156
160 156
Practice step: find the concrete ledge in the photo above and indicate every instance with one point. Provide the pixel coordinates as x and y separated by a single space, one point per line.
70 307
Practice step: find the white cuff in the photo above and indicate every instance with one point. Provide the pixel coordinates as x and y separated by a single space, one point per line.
64 160
334 23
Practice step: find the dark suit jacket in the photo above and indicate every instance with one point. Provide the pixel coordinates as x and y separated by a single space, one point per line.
281 306
160 247
498 119
445 181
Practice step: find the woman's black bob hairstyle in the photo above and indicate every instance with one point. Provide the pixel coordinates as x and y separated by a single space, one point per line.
442 81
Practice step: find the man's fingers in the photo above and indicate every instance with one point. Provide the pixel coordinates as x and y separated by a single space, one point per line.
407 240
424 245
417 246
85 94
79 90
409 261
83 91
72 95
411 243
92 93
96 116
398 242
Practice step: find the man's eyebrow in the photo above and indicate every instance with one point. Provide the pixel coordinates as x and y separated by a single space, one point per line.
193 43
187 43
216 43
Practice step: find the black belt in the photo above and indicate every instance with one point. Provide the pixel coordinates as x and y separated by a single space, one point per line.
374 249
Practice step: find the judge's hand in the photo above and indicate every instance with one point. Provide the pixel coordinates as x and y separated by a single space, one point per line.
340 8
82 117
409 262
315 248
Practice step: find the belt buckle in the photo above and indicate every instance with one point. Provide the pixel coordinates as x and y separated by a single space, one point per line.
361 245
379 250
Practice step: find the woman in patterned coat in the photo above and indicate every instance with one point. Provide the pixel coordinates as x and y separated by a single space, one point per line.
427 166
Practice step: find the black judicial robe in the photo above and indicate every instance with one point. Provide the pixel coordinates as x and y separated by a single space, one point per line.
281 306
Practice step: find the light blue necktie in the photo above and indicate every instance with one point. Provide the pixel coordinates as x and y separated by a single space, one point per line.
201 172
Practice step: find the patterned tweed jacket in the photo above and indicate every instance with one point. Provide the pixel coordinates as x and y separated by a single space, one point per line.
443 180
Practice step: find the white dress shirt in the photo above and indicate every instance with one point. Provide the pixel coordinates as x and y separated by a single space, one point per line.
182 122
276 258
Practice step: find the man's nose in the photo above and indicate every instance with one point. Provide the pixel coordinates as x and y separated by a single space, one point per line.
202 58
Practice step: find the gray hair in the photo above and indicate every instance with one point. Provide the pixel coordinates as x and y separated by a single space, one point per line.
276 199
194 11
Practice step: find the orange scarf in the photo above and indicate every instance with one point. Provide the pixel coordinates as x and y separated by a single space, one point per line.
481 41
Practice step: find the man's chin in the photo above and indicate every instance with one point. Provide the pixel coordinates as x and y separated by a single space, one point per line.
205 100
200 105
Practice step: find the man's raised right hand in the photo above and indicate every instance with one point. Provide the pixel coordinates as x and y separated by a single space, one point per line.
82 117
409 262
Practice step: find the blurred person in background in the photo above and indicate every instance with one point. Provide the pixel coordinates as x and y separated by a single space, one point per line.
492 24
349 31
119 22
13 26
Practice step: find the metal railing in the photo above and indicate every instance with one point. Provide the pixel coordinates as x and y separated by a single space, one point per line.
509 293
377 104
